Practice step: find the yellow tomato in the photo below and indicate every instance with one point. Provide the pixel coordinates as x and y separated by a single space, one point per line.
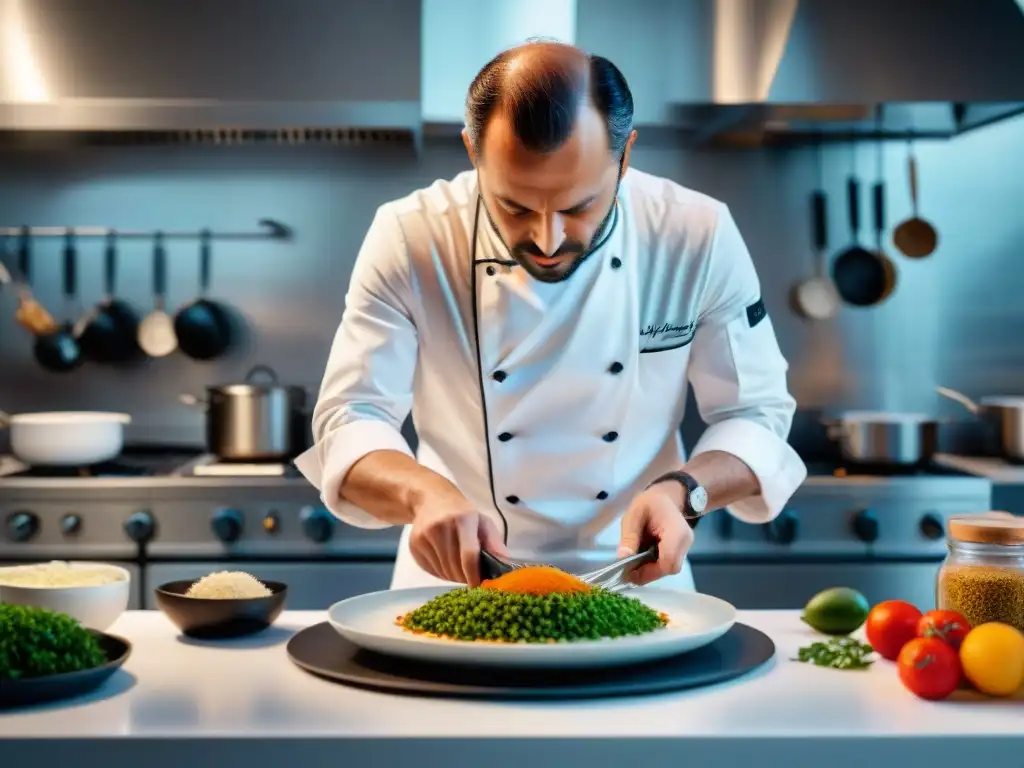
992 656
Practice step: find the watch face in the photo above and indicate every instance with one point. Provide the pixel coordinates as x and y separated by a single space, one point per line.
699 500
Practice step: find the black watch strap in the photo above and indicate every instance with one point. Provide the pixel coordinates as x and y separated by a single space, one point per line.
690 484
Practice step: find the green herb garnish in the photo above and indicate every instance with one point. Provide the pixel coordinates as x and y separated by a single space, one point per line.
490 614
35 642
837 653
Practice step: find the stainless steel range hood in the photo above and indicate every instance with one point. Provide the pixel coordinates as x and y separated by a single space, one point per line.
781 71
225 69
738 71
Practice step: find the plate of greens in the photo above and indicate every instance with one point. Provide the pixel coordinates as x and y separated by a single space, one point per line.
488 626
47 656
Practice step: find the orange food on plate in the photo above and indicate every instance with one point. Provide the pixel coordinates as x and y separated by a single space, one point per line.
537 580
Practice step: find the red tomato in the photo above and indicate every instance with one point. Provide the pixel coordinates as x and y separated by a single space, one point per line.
890 626
929 668
948 626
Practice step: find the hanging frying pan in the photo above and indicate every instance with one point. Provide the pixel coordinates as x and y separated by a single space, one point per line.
59 351
878 200
860 275
202 327
111 330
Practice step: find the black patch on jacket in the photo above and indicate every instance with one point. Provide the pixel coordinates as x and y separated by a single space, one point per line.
756 313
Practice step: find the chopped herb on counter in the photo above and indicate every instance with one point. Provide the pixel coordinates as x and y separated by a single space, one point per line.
837 653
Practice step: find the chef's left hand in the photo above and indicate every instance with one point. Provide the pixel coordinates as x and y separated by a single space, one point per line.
655 516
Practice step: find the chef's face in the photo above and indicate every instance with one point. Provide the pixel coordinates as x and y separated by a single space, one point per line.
550 210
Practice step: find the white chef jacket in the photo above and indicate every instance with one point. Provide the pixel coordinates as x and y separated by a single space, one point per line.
551 406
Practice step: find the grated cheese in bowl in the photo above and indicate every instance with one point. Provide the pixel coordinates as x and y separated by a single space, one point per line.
95 594
228 585
58 574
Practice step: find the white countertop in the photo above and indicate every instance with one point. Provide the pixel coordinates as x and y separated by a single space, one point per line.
245 698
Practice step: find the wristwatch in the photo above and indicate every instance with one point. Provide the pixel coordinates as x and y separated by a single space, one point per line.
695 500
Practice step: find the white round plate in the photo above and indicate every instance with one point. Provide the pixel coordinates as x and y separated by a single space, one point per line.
370 621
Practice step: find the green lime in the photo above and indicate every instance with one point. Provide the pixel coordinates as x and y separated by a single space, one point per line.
836 611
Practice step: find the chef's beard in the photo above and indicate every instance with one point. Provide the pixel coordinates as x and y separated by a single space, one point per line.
523 251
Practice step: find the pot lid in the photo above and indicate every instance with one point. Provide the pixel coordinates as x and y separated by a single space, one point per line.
252 386
248 389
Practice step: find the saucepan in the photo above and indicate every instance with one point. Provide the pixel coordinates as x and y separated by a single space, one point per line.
255 420
884 437
1004 412
65 438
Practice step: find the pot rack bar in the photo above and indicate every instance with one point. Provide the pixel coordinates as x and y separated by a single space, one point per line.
269 228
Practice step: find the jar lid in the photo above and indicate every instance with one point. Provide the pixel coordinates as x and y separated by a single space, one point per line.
988 528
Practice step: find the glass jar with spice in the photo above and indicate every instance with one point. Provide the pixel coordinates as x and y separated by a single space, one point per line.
982 577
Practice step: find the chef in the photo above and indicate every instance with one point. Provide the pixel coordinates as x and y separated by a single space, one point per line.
542 316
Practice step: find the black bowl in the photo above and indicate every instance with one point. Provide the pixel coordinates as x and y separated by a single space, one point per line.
38 690
218 619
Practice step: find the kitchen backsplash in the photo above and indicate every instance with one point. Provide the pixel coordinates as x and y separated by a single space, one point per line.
956 318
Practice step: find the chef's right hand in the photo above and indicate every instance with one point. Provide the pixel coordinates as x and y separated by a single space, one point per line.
446 538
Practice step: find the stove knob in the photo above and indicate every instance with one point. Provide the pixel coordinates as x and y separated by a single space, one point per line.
227 525
931 527
70 524
865 526
140 527
22 526
317 523
784 528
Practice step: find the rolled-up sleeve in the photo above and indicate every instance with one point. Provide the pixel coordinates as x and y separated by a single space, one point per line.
738 375
366 393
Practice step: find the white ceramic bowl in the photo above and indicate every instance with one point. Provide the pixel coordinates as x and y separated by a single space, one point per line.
66 438
95 606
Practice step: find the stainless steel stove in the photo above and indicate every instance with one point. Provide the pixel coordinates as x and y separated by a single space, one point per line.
169 515
1007 478
875 529
156 513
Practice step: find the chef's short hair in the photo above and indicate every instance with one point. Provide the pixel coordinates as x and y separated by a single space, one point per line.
544 110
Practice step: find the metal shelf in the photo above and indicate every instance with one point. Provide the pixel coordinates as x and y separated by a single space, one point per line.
269 228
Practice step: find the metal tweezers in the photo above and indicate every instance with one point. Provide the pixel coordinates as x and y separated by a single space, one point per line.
611 577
